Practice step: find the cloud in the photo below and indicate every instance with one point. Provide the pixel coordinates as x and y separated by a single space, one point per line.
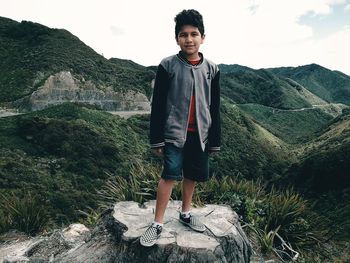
117 31
269 34
255 33
334 49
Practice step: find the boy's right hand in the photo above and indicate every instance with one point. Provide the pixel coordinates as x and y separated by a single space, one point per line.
159 151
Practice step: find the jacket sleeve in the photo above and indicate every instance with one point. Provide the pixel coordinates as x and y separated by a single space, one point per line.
158 109
214 138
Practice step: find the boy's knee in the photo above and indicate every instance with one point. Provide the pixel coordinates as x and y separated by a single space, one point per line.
167 181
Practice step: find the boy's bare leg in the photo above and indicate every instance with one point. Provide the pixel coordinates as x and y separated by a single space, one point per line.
187 193
164 190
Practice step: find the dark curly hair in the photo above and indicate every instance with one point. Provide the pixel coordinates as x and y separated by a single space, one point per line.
189 17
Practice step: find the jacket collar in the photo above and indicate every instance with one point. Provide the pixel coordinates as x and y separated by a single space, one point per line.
182 57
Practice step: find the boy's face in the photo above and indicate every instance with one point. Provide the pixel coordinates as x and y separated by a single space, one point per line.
189 39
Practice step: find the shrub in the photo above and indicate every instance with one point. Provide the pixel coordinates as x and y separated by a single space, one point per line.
3 222
139 186
91 216
283 211
26 213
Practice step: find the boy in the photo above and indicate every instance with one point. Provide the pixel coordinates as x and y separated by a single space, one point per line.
185 121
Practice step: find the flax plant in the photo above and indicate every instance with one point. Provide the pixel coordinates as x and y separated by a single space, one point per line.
26 213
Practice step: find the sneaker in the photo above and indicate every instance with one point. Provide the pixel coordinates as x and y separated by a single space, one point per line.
149 238
193 222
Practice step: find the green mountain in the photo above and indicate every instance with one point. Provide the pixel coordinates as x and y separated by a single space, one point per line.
64 154
68 152
230 68
324 164
274 105
245 85
331 86
249 150
279 103
292 126
31 52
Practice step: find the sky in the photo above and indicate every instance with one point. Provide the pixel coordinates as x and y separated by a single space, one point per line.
252 33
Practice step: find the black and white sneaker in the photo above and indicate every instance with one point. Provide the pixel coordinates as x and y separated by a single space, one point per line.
192 222
149 238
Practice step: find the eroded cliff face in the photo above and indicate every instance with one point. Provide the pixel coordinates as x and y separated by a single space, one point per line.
64 87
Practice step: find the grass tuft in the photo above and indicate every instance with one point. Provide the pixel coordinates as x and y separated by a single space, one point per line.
26 213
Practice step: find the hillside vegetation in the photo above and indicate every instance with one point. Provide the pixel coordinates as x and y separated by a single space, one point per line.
247 151
72 158
65 153
331 86
324 165
292 126
69 151
244 85
285 88
31 52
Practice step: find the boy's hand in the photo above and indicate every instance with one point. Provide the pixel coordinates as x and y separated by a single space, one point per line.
158 151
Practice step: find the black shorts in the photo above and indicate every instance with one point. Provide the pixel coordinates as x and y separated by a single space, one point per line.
189 162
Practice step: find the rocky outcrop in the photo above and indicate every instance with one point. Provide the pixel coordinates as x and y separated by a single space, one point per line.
224 240
64 87
116 239
43 248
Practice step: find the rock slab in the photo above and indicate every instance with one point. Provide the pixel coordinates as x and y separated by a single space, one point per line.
116 238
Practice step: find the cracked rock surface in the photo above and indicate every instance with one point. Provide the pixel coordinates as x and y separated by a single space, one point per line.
116 238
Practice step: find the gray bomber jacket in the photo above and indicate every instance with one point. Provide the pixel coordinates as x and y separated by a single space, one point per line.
175 80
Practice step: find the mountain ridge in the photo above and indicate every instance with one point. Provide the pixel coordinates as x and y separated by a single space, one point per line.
32 53
332 86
